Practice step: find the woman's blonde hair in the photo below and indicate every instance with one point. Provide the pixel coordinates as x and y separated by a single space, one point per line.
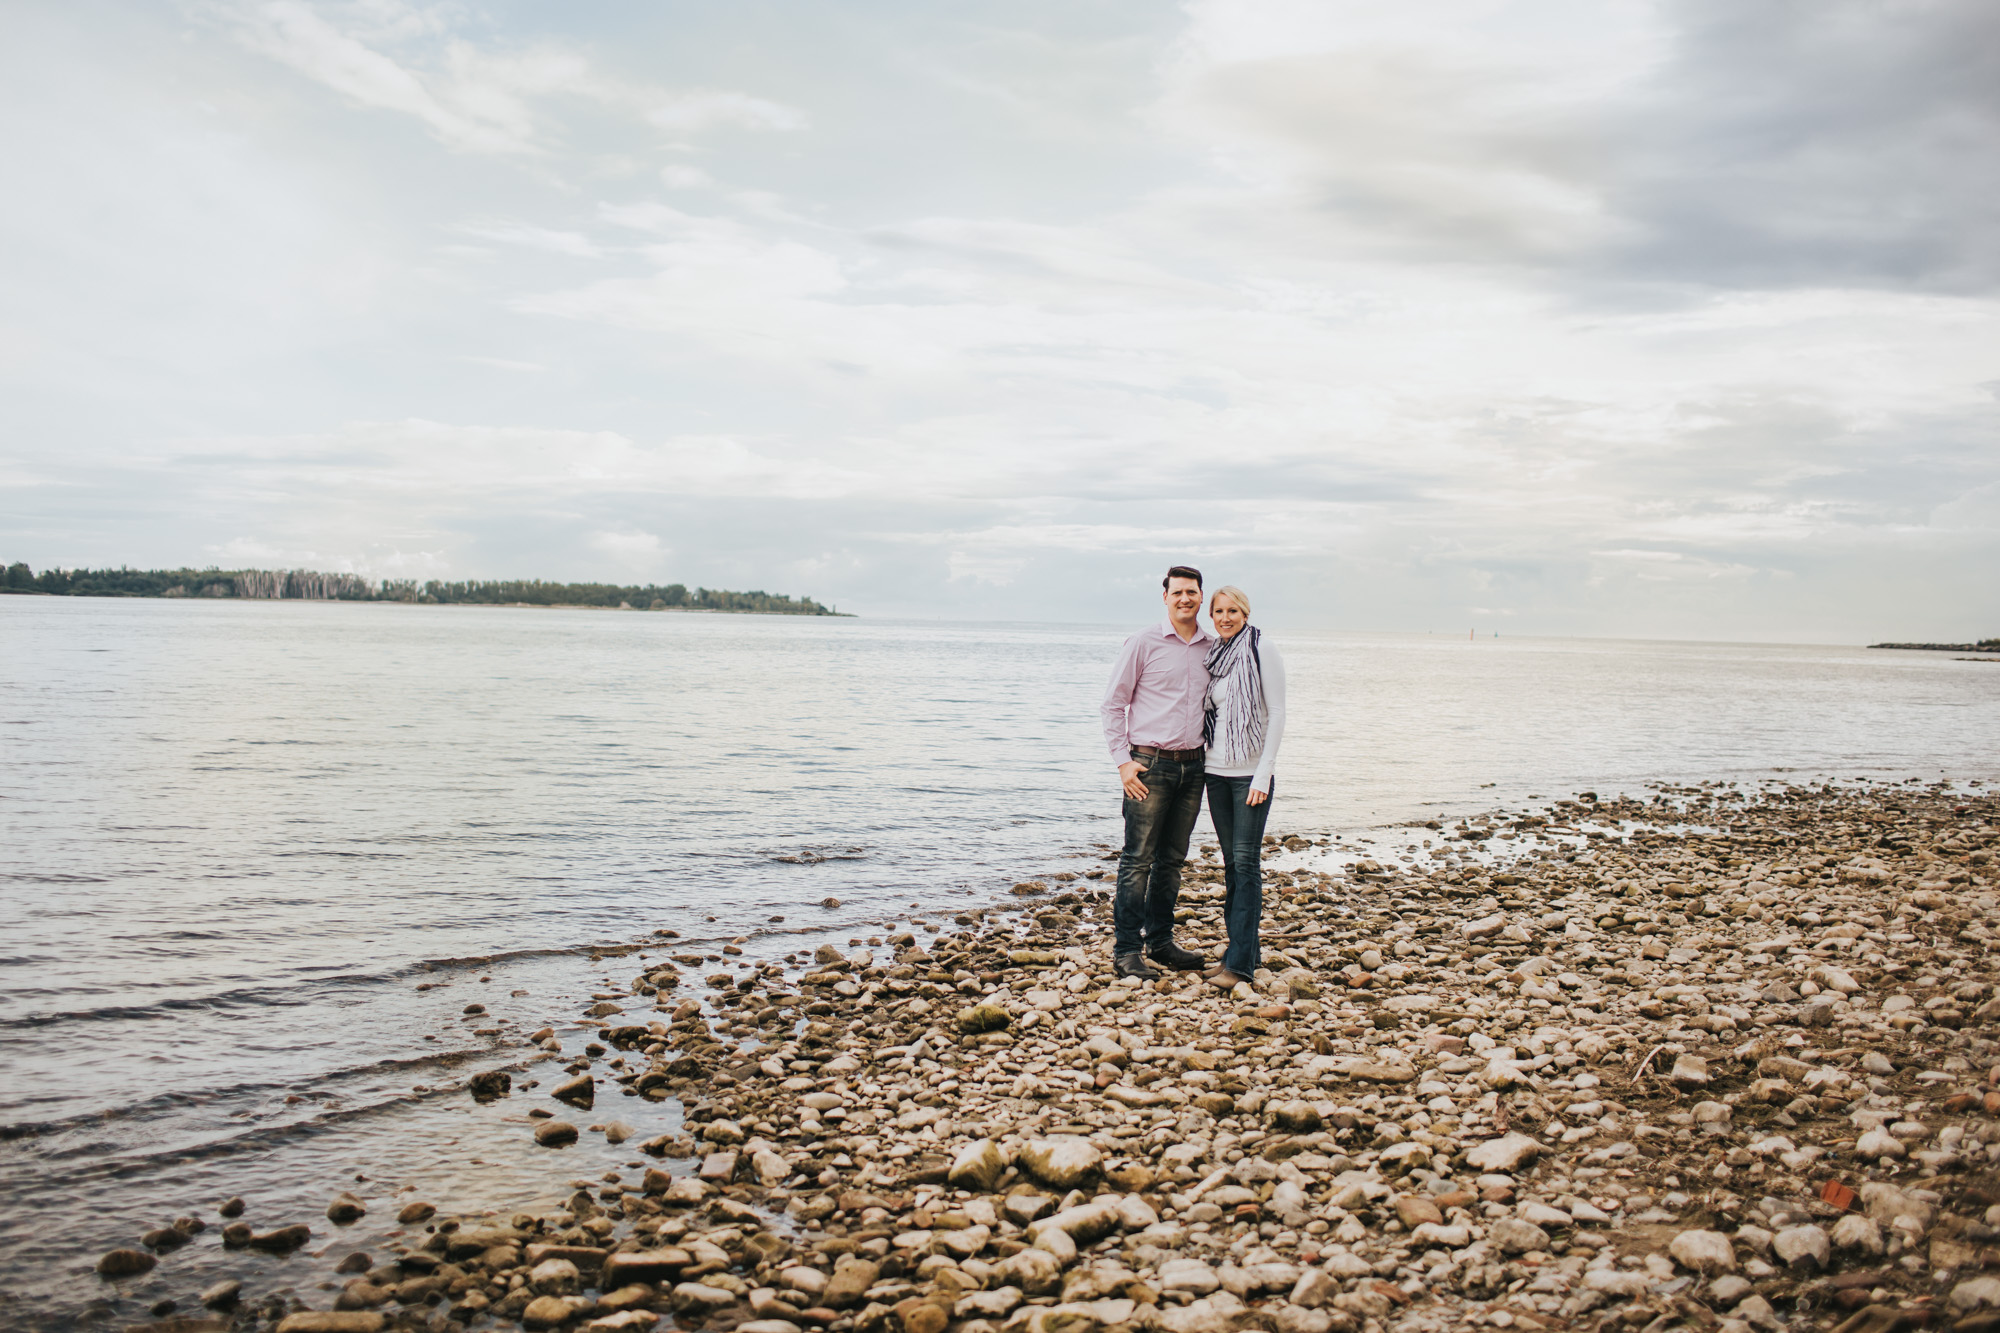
1235 594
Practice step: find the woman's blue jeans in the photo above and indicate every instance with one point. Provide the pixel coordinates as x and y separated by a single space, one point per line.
1239 830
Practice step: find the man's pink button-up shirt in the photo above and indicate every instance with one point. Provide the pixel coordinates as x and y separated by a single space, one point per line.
1158 692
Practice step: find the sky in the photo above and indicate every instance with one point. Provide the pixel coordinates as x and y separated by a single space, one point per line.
1675 319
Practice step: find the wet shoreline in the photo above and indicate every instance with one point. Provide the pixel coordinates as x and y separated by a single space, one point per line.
1525 1075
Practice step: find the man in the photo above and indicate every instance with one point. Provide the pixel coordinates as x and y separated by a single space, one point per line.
1152 722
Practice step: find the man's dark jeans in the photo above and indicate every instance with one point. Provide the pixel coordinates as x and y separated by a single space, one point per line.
1157 830
1239 829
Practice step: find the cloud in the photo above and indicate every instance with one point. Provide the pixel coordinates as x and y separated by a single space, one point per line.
251 551
985 567
1846 142
1393 153
679 176
1663 566
1972 512
637 552
627 544
1648 315
459 468
535 238
695 111
475 99
1694 141
475 104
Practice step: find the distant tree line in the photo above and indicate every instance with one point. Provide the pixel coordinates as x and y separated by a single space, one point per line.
312 585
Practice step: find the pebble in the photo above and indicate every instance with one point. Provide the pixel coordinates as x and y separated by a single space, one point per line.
1062 1162
278 1240
346 1208
1506 1154
1728 1289
1975 1293
545 1312
1879 1142
334 1321
1514 1236
978 1166
1705 1252
635 1321
1857 1232
491 1085
222 1295
1539 1089
125 1263
1758 1313
1613 1282
1802 1245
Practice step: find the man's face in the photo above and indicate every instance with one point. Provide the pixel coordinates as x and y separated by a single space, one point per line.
1183 598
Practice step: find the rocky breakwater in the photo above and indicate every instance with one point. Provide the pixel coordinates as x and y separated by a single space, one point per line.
1727 1065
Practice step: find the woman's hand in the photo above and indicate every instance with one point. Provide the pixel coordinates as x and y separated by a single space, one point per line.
1256 797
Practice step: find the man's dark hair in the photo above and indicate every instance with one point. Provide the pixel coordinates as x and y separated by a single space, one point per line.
1181 572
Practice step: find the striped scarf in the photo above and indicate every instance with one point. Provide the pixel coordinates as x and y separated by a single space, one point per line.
1233 729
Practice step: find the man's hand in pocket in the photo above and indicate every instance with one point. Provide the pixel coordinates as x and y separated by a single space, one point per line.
1135 787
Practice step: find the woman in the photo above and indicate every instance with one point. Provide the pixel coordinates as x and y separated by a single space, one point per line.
1245 722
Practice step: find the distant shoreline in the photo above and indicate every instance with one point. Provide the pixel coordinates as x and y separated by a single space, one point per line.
1983 646
505 606
306 585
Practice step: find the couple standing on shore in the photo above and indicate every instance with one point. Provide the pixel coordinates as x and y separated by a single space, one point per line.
1189 711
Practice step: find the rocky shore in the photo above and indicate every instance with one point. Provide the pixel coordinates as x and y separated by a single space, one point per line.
1719 1058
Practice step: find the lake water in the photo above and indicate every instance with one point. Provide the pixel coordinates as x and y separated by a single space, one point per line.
238 837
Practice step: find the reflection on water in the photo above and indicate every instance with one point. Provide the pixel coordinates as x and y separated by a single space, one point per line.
241 836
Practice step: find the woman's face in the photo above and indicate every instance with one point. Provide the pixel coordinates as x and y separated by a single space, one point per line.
1229 618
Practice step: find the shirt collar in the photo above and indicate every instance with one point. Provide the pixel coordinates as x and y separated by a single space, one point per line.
1167 631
